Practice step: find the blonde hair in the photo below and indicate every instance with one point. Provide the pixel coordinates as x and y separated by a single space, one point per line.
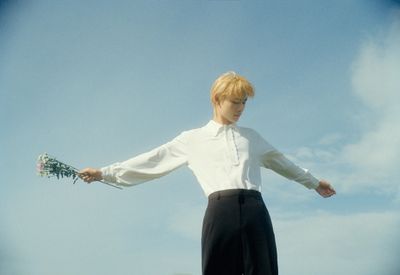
230 85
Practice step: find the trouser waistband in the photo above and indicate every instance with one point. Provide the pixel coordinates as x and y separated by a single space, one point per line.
234 192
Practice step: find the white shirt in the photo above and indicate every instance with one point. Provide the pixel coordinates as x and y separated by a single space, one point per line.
220 156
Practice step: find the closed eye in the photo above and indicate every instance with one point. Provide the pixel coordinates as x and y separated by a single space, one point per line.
239 101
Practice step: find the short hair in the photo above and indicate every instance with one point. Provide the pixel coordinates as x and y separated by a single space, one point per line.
229 85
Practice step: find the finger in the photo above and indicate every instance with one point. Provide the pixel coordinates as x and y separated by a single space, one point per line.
82 174
327 193
331 193
87 178
83 171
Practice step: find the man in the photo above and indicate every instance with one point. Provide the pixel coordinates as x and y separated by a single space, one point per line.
237 235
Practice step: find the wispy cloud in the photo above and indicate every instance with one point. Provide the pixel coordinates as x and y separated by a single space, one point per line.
375 156
319 242
371 161
324 243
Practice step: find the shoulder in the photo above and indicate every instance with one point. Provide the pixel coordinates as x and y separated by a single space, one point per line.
249 132
256 138
193 131
187 135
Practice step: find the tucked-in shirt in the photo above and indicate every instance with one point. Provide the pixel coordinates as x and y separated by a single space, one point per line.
220 156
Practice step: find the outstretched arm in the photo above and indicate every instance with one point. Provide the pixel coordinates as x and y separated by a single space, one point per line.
144 167
325 189
276 161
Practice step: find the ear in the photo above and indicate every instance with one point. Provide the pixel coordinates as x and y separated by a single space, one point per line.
219 101
216 102
217 106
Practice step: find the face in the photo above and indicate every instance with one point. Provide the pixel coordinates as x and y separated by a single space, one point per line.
229 110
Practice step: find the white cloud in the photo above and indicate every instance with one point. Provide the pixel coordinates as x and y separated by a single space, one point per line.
375 156
376 71
371 162
357 244
331 138
315 243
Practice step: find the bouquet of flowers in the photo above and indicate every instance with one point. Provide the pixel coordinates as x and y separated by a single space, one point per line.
48 166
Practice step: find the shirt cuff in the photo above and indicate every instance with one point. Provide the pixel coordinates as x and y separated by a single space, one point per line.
313 183
107 175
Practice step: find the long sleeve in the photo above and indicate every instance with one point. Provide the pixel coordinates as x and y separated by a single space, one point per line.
277 162
272 159
151 165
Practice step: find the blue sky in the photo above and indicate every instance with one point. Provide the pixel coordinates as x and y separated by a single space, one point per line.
94 82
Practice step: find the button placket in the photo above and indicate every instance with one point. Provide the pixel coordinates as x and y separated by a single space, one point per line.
232 146
236 152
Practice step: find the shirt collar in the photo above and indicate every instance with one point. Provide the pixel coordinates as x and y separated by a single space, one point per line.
215 128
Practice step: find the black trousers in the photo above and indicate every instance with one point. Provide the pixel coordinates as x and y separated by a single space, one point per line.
237 235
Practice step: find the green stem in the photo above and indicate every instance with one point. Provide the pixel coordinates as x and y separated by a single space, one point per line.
76 170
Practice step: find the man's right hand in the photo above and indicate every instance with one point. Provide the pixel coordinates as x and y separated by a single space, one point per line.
90 174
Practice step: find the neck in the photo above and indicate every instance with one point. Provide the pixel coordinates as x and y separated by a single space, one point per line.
220 119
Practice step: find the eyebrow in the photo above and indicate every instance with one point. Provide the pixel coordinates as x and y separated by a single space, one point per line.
239 99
